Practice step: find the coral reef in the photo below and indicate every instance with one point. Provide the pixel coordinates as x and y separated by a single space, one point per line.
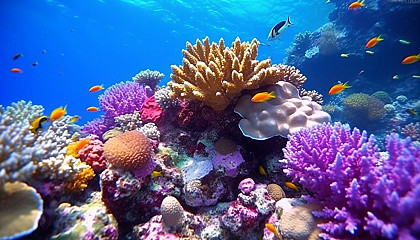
412 130
148 77
22 110
291 75
275 191
360 108
130 151
285 114
129 121
382 96
20 210
89 221
93 155
215 74
151 131
370 194
314 95
172 212
122 98
151 111
163 98
327 41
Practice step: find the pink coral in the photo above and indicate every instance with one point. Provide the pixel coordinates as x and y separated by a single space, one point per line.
230 162
93 155
151 111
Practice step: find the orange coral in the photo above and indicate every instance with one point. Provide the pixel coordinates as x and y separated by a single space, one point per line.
74 147
80 182
130 150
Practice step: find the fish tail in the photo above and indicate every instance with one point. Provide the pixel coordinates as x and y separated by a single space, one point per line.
345 85
362 2
288 20
380 38
418 55
272 94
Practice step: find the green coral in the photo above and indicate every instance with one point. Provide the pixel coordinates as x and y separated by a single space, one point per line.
382 96
362 108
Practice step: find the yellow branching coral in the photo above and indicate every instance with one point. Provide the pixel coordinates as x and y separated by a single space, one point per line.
81 179
215 74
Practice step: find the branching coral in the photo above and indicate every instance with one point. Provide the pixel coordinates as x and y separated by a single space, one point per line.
314 95
412 130
23 110
79 183
163 98
215 74
363 197
291 75
148 77
129 121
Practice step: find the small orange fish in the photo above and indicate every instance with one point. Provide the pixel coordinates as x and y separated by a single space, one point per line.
58 113
412 112
16 70
263 96
273 229
291 186
96 88
356 5
338 88
372 42
411 59
92 109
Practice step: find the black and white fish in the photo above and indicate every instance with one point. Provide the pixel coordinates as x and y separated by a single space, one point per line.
279 29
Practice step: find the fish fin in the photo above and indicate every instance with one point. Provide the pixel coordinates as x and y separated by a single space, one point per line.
288 21
65 109
380 38
272 94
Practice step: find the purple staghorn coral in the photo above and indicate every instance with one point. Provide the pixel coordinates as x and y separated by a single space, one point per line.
122 98
363 196
98 126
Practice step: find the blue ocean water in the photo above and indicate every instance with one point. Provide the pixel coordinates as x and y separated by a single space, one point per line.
78 43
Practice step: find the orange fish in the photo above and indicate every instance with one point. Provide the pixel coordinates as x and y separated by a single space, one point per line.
338 88
372 42
273 229
96 88
58 113
92 109
16 70
356 5
291 186
411 59
263 96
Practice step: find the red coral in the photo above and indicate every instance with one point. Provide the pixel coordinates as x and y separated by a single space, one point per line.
151 111
93 155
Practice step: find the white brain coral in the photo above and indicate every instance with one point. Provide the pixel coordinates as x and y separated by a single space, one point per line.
286 113
172 211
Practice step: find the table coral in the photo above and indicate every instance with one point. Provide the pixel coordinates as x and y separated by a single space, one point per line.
287 113
215 74
20 210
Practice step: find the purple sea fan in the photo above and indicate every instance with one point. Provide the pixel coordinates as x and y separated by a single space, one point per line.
122 98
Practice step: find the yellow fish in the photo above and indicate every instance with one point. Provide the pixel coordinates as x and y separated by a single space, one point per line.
57 113
36 124
262 171
291 186
156 174
75 118
344 55
263 96
273 229
370 52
